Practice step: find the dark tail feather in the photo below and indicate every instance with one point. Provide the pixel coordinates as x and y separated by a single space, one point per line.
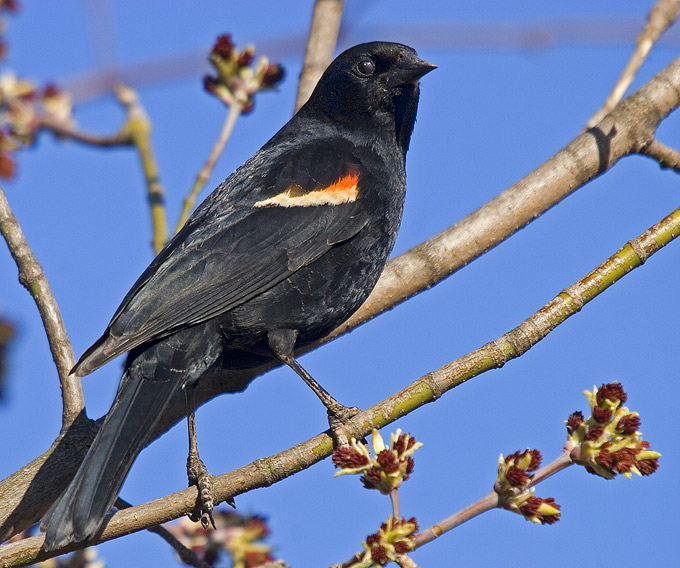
79 511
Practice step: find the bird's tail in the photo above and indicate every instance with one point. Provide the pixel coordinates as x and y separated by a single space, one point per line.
78 513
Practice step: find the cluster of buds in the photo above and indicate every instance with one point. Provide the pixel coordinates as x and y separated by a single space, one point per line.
23 107
389 467
394 538
514 491
240 536
237 80
609 443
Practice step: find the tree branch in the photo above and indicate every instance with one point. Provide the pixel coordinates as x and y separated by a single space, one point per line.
667 157
323 35
33 278
428 388
661 17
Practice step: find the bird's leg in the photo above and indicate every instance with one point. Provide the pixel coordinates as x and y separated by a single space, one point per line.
282 344
196 471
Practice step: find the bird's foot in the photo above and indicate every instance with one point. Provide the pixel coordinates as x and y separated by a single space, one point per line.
199 476
338 416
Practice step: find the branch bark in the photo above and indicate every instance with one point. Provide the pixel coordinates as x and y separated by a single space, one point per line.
666 156
33 278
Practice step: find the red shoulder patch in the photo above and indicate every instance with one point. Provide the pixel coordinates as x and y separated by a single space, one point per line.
344 190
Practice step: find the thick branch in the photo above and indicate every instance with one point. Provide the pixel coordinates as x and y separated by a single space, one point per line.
31 275
626 130
493 355
323 35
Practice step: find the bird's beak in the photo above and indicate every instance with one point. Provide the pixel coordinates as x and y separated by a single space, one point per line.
409 70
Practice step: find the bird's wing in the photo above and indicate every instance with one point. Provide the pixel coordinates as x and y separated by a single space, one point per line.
230 253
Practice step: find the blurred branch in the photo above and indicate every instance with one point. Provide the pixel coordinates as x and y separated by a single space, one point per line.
64 130
323 35
667 157
203 176
136 131
138 126
441 35
33 278
428 388
661 17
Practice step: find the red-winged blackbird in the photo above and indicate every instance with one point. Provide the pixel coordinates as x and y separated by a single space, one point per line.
281 253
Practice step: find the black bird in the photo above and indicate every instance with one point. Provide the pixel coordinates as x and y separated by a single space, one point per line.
281 253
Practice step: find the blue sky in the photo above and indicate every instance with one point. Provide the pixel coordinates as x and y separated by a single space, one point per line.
493 111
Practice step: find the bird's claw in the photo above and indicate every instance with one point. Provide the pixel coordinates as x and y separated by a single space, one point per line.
199 476
338 416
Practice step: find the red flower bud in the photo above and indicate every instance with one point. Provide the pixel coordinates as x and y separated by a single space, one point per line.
223 46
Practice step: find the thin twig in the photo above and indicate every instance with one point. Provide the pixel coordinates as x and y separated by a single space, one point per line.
394 498
187 555
487 503
667 157
31 275
484 504
323 35
558 464
430 387
235 109
661 17
139 128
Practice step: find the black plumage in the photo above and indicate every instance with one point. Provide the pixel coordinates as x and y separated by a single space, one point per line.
281 253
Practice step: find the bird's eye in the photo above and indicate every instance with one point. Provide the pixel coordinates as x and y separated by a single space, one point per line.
366 67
